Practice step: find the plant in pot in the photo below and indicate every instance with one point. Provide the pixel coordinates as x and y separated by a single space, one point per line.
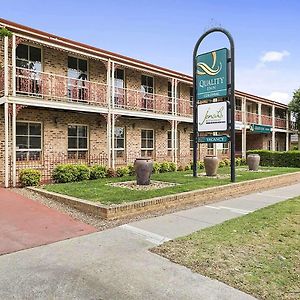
211 164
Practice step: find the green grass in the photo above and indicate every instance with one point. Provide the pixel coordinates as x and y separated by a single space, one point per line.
99 191
257 253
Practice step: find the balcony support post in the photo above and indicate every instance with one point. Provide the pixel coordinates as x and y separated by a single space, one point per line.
259 113
175 96
244 142
175 141
244 116
108 119
14 130
113 115
273 128
287 141
6 81
6 145
13 55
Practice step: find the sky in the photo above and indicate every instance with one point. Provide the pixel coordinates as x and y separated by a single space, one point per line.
266 33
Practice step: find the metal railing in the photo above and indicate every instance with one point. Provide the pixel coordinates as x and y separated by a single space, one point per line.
1 82
280 123
252 118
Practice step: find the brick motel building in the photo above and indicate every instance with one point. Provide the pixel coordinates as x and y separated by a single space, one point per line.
66 102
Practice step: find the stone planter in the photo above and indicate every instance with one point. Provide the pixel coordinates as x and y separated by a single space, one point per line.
253 162
143 169
211 164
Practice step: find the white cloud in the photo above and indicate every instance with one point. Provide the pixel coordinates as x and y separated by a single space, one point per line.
279 96
274 56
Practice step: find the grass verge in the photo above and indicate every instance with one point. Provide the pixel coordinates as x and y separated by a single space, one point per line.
99 191
257 253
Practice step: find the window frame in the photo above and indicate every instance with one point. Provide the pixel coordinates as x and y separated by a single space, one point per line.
28 149
120 151
77 150
147 150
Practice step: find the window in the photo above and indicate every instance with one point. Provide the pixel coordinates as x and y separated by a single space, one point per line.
238 104
147 92
269 145
191 96
119 88
28 141
29 66
77 74
225 148
170 96
77 141
119 141
147 142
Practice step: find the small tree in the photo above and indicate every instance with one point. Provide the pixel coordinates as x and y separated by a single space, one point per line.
5 32
294 108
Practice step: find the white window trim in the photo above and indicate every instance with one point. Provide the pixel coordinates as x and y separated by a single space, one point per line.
115 139
35 46
87 66
143 149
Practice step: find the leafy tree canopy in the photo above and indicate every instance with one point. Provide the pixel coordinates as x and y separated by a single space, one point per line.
5 32
294 106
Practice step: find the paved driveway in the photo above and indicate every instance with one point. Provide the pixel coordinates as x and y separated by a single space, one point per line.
25 223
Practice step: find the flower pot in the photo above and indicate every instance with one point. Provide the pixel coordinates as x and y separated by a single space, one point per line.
253 162
143 169
211 164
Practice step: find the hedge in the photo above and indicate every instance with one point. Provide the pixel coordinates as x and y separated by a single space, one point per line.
268 158
30 177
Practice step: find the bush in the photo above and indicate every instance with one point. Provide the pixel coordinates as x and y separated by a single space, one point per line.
172 167
180 168
30 177
83 172
188 167
98 171
278 159
200 165
111 173
164 167
238 161
222 164
65 173
226 162
156 168
122 171
243 161
131 170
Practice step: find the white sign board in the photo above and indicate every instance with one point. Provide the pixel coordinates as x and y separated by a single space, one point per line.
212 117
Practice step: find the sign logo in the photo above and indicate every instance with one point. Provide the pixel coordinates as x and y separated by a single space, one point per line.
211 75
212 117
207 69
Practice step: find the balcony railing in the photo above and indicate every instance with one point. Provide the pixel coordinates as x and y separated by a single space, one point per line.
252 118
266 120
238 116
50 86
280 123
1 82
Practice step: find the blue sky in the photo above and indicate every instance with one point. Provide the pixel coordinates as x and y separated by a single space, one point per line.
266 33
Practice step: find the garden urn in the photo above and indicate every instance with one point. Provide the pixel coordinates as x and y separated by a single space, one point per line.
253 162
211 164
143 169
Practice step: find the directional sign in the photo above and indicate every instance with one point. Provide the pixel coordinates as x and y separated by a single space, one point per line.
211 76
260 128
213 139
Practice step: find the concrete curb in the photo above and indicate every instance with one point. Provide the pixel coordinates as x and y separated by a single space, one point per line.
202 196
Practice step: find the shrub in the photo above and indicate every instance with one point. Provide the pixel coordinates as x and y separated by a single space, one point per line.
165 167
200 165
83 172
243 161
187 167
122 171
222 164
30 177
98 171
278 159
238 161
156 168
131 170
65 173
226 162
180 168
111 173
172 167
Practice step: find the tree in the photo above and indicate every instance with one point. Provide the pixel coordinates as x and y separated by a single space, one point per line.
294 108
5 32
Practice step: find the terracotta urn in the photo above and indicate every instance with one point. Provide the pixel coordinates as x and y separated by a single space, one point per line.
253 162
143 169
211 164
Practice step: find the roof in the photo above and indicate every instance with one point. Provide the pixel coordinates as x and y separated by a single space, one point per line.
15 27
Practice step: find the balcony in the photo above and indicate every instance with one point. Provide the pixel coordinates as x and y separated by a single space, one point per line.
252 118
280 123
238 116
266 120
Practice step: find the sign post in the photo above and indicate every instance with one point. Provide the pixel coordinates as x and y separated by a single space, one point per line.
211 79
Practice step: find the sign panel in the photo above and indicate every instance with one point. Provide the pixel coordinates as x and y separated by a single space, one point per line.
213 139
212 117
211 76
260 128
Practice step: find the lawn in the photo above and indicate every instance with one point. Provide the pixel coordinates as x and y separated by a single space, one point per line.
257 253
99 191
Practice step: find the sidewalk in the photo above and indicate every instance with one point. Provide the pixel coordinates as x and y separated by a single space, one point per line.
116 263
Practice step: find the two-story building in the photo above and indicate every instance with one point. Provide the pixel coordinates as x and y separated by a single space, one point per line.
62 101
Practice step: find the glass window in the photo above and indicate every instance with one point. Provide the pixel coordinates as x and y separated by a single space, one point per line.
170 97
28 141
29 57
77 141
119 141
147 84
191 96
119 88
147 142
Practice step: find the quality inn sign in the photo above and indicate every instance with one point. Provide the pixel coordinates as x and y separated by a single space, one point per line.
211 75
212 117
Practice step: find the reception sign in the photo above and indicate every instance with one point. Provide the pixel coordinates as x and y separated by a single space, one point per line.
212 117
260 128
211 75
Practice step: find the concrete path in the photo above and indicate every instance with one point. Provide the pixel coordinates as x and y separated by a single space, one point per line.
25 223
116 263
